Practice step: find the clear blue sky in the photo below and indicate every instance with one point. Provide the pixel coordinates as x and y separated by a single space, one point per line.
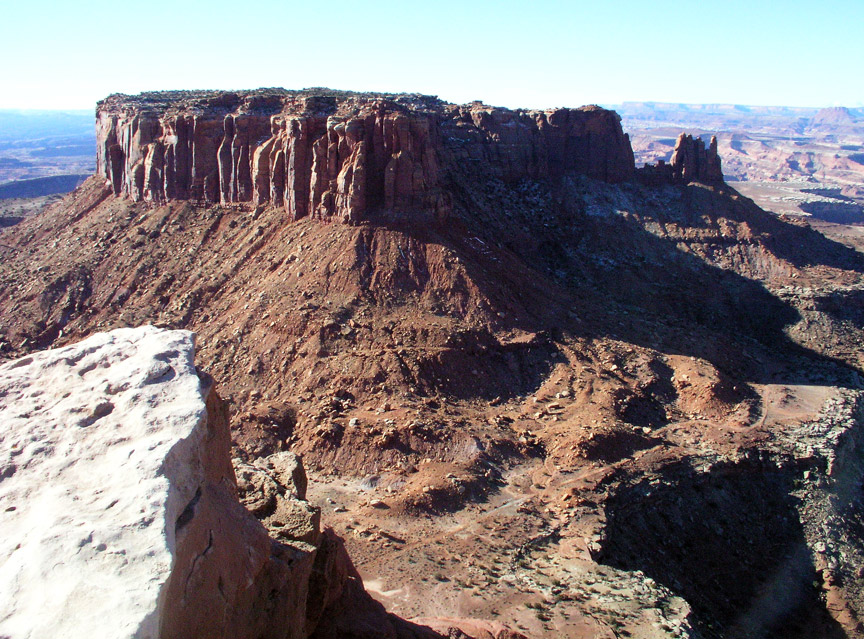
68 54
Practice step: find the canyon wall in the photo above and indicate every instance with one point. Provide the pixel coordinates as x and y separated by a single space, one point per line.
334 155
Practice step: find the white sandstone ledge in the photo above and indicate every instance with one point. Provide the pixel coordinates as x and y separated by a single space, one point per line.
112 479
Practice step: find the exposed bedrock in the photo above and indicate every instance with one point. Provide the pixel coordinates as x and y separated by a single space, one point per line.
691 161
122 516
337 155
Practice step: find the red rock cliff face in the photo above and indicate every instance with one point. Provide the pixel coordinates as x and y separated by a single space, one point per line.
692 161
339 156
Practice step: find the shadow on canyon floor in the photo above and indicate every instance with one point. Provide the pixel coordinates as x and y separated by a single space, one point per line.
731 546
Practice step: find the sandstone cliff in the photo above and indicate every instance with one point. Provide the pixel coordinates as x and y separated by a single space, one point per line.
340 155
691 161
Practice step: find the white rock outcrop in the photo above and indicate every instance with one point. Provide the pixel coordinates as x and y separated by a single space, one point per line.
120 515
119 504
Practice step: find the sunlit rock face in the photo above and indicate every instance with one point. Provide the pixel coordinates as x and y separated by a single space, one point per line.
340 155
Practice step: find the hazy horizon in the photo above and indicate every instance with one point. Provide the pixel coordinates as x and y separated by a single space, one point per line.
91 111
541 55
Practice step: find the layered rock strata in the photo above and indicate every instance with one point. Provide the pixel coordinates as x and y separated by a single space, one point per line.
121 513
335 155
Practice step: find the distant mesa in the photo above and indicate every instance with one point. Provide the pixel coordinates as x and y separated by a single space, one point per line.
833 116
834 120
336 155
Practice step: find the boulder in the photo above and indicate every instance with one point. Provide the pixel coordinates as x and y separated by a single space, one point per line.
274 490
